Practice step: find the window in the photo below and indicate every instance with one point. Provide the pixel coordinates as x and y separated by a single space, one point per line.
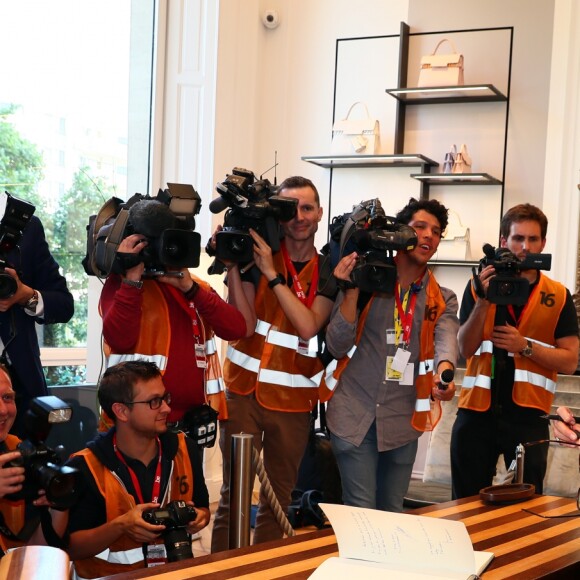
66 134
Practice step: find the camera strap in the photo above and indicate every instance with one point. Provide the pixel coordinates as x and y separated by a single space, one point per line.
156 491
296 284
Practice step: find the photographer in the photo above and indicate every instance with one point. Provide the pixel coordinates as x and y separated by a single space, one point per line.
273 377
134 467
171 320
567 430
14 514
512 364
41 296
389 389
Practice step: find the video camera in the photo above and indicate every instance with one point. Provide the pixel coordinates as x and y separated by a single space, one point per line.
166 221
16 217
252 204
374 236
507 286
43 466
175 518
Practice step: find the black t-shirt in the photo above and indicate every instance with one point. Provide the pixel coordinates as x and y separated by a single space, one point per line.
504 368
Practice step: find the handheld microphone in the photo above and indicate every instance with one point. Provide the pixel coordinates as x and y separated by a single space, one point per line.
446 377
151 218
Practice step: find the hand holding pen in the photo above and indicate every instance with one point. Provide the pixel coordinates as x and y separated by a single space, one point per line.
566 426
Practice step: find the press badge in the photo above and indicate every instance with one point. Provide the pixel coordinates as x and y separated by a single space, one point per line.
155 555
391 336
400 360
200 360
305 347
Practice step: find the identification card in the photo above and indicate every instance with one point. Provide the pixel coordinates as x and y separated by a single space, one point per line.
305 347
401 359
200 359
408 375
156 555
391 374
391 336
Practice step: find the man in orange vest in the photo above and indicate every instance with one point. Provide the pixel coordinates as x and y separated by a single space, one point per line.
137 465
273 377
512 363
391 353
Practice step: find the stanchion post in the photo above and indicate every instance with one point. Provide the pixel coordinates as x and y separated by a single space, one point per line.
240 490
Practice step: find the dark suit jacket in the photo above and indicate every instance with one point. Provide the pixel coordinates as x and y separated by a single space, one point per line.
37 269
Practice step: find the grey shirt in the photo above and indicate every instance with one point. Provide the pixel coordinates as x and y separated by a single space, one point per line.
363 394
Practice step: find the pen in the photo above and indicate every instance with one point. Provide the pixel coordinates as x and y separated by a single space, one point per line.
558 418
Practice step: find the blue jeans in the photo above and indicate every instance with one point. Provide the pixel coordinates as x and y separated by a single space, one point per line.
373 479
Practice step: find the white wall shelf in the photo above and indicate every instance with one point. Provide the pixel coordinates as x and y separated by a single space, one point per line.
399 160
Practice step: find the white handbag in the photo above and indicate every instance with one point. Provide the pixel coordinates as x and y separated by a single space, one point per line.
356 136
462 163
455 246
449 160
441 70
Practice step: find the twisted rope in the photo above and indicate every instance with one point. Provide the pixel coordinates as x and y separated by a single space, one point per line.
268 492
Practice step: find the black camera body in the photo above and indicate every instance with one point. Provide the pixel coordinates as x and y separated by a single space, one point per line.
375 237
250 203
175 517
43 465
166 221
507 286
16 217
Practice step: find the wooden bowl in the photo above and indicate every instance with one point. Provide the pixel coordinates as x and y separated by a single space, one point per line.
507 493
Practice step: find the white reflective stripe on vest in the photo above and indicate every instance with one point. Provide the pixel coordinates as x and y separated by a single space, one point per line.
210 347
329 379
215 386
262 327
536 379
158 359
291 341
485 347
422 405
287 380
243 360
481 381
425 366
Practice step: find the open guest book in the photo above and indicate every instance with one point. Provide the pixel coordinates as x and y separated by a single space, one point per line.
375 544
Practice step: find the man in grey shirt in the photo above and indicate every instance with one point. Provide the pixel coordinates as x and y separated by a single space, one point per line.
392 350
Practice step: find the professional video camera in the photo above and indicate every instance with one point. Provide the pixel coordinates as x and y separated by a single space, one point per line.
252 204
16 217
507 286
43 467
167 221
374 236
175 518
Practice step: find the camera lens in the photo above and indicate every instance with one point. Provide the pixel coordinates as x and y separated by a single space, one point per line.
177 545
58 482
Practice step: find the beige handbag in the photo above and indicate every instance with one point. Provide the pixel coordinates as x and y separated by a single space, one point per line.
441 70
462 163
356 136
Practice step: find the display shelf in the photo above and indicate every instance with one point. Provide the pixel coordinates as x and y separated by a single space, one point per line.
441 95
400 160
456 263
456 178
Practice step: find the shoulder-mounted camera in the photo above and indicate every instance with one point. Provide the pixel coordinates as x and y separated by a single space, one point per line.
166 221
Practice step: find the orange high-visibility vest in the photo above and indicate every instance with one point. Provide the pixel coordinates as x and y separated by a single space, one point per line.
12 511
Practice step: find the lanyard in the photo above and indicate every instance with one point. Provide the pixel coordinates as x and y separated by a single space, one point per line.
296 284
405 310
157 481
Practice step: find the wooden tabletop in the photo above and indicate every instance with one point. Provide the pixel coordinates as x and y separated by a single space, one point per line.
526 546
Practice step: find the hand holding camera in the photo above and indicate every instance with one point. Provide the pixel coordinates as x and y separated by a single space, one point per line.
11 478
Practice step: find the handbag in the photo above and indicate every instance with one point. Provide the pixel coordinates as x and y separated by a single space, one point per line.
355 136
462 162
441 70
449 160
455 246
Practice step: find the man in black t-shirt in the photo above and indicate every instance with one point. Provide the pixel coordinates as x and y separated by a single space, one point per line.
512 365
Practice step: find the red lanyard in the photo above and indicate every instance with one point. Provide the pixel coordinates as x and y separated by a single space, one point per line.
406 318
157 481
296 284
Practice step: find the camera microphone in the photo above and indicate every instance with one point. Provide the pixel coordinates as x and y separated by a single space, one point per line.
218 204
489 251
151 218
446 377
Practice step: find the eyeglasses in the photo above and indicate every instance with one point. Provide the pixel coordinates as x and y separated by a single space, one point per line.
153 403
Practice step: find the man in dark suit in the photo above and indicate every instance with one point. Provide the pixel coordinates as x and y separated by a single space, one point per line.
41 296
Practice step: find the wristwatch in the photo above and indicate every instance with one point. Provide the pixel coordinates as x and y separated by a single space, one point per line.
279 279
134 283
32 303
527 350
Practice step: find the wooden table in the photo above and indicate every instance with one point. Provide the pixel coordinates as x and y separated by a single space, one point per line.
526 546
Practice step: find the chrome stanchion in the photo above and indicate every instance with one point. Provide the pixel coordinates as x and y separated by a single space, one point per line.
240 490
520 456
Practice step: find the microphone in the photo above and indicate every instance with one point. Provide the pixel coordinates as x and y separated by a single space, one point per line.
218 205
446 377
489 251
151 218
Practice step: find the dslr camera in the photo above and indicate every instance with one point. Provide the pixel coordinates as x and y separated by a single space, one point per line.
507 286
166 221
251 203
375 237
43 466
175 517
16 217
